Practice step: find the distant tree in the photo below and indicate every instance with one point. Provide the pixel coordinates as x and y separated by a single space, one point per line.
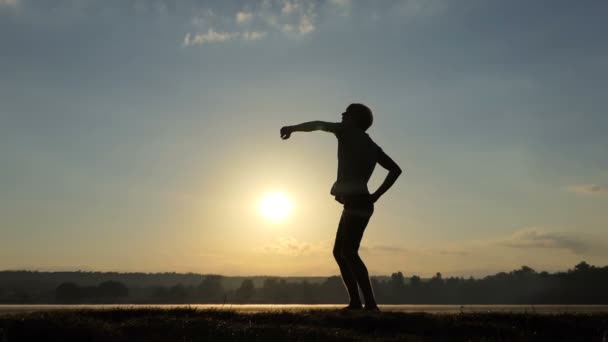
270 289
211 289
112 289
275 290
582 266
245 291
415 281
178 293
436 281
283 291
68 292
395 288
22 297
333 291
582 284
160 292
306 292
397 280
524 271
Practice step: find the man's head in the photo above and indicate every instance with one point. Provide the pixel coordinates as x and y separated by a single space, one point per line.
358 115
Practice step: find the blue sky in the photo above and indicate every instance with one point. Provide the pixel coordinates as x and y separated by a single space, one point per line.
139 135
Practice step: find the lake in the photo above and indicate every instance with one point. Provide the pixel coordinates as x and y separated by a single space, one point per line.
543 309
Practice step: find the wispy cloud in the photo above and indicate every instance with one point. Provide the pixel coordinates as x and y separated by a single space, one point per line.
243 17
589 189
455 252
385 249
306 25
209 37
253 35
408 251
212 36
11 3
293 18
289 7
286 246
540 238
527 238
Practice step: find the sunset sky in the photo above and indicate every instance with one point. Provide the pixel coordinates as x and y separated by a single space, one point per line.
141 135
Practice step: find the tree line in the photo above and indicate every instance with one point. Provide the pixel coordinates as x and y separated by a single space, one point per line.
584 284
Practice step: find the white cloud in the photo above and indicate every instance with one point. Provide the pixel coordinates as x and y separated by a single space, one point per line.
210 37
243 17
289 7
253 35
589 189
306 25
292 18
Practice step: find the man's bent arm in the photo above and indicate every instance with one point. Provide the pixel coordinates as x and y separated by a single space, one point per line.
315 126
393 173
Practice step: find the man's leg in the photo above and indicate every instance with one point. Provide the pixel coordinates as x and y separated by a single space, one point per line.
355 224
348 276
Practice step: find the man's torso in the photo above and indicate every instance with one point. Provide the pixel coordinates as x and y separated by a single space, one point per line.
357 157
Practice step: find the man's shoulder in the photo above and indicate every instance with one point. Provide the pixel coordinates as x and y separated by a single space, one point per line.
373 142
333 127
359 140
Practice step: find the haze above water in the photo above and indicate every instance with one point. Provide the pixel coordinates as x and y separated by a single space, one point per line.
252 308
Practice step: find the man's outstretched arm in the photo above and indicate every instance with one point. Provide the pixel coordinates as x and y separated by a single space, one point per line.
393 173
309 127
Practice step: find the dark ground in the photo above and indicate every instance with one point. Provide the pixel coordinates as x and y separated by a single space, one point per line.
322 325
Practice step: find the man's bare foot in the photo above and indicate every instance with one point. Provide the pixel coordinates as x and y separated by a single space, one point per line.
352 307
373 308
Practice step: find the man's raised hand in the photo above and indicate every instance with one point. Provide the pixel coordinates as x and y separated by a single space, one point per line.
285 132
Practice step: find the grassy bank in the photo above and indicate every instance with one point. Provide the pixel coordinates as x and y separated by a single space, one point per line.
214 325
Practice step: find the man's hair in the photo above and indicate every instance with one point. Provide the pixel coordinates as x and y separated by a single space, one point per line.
361 114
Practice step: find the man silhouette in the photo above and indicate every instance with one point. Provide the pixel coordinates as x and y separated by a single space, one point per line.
357 157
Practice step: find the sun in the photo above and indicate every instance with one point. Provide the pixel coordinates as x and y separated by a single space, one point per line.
275 206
